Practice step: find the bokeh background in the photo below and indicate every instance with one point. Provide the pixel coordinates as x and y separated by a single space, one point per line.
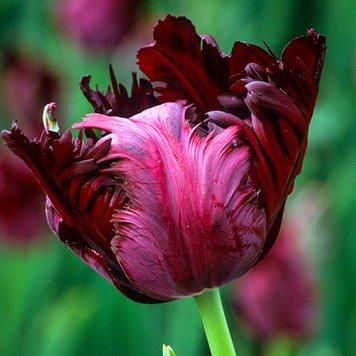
52 304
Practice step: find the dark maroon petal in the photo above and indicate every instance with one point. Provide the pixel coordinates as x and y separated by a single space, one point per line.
272 233
215 63
223 119
183 65
116 101
280 96
81 199
281 130
305 56
50 160
244 53
234 105
302 60
167 167
96 98
73 239
297 73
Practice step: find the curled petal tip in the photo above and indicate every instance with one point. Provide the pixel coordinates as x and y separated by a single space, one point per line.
313 33
223 119
78 125
318 39
4 134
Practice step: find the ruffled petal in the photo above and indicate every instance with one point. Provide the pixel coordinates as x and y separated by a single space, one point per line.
244 53
302 61
194 220
81 199
64 166
281 132
184 65
72 238
280 95
117 101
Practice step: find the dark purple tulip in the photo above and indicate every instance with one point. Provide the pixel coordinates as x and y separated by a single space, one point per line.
276 298
97 25
272 99
183 191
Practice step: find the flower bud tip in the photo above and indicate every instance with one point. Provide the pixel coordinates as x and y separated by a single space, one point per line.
49 121
167 350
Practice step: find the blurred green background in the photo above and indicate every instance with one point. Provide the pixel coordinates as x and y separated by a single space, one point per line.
52 304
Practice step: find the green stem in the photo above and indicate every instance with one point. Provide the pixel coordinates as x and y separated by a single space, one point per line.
215 325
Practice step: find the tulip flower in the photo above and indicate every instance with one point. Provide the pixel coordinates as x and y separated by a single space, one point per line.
97 25
276 298
183 191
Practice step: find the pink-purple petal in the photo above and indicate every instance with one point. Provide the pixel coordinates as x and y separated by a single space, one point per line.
107 268
194 220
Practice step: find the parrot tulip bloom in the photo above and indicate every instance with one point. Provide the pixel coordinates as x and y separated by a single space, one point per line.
183 191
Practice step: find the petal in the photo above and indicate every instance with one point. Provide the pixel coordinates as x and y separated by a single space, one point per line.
234 105
223 119
81 199
194 219
117 101
302 60
272 233
243 54
281 100
92 258
190 67
50 159
281 130
124 128
305 55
